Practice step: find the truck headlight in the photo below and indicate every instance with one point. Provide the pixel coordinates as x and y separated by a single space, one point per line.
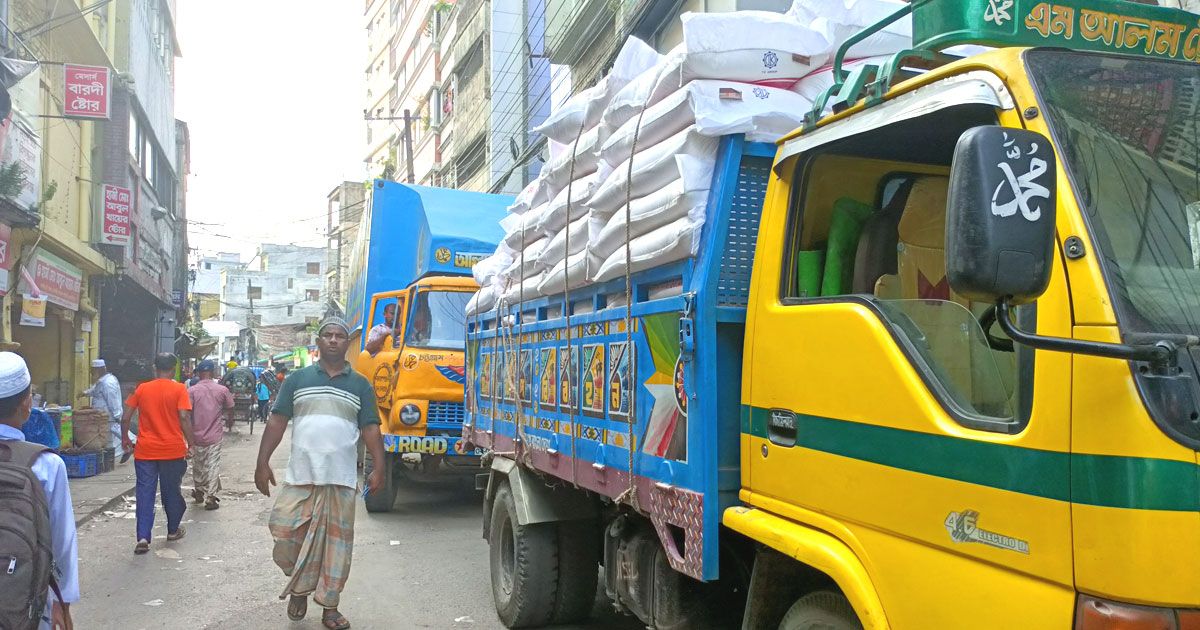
410 414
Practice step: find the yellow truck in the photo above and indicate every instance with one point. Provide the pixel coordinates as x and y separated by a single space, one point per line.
989 418
409 287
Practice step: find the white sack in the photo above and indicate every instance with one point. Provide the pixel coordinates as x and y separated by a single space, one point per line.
486 270
482 301
533 195
518 290
837 20
648 214
556 249
579 266
583 110
630 100
516 270
687 155
554 218
717 108
521 229
557 172
760 47
669 243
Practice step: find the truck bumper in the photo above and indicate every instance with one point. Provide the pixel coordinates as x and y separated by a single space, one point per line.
452 447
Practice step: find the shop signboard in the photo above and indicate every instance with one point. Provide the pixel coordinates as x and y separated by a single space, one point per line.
33 311
117 201
54 279
87 92
21 149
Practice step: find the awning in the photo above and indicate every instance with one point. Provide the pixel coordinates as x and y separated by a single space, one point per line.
978 87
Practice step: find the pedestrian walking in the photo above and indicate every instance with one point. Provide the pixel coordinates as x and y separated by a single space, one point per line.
106 396
264 399
16 400
210 401
312 521
164 439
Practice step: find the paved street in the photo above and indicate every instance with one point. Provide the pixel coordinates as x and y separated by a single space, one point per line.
422 566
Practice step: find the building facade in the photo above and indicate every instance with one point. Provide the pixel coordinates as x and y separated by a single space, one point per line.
284 290
345 210
205 278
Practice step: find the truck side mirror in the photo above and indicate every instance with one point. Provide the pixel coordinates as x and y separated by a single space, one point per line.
1000 215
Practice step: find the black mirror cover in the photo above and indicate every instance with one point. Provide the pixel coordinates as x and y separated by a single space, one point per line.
1000 215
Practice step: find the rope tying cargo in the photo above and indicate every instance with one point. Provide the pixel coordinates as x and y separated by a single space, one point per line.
567 297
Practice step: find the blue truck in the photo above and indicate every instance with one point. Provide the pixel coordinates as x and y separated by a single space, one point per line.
409 284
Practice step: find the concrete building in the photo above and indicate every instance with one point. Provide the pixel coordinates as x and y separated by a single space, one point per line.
205 277
434 60
345 208
49 214
284 289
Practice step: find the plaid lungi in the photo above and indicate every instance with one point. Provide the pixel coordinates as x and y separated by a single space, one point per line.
313 527
206 470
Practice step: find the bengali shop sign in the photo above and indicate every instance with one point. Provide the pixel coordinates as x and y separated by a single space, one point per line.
87 91
117 203
54 279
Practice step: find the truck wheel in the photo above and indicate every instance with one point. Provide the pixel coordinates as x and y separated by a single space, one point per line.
578 571
822 610
524 565
383 500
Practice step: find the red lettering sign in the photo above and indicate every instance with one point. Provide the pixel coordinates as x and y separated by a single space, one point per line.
87 91
117 203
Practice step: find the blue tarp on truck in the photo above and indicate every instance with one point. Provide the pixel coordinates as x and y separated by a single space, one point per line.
409 231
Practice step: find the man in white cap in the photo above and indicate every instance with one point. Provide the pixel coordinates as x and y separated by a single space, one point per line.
312 521
16 399
106 396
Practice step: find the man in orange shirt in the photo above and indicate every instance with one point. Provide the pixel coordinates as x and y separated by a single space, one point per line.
160 456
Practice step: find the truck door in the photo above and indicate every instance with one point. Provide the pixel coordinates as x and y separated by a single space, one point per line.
387 310
880 411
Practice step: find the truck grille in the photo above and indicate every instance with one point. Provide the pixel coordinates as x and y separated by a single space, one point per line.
446 412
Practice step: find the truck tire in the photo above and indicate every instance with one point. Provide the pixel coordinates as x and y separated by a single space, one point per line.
821 610
524 565
578 571
383 500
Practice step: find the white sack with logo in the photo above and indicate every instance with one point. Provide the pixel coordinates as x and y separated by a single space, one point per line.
717 108
554 218
556 249
672 242
686 155
583 110
647 214
575 268
760 47
837 20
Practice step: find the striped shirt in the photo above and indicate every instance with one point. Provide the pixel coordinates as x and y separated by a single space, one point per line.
327 414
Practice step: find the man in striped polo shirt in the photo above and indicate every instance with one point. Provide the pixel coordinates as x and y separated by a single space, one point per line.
329 406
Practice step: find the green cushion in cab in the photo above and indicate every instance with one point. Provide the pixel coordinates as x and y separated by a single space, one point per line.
845 228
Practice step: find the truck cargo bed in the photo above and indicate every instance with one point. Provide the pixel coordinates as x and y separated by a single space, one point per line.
687 332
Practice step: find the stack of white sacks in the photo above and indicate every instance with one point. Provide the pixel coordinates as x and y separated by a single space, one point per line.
750 72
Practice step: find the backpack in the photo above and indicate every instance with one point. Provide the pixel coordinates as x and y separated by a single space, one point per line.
26 551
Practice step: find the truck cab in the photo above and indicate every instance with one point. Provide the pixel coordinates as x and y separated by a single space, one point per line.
965 373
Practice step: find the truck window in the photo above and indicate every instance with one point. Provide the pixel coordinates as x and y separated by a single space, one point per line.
868 224
438 320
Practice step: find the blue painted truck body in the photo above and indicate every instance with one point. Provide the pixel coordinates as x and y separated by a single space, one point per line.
689 320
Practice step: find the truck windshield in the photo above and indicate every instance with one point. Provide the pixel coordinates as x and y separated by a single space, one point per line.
1128 133
438 320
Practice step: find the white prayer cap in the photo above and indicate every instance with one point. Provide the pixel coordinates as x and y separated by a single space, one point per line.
14 374
98 363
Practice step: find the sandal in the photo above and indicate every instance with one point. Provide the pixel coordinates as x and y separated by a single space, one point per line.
141 547
334 620
179 533
297 607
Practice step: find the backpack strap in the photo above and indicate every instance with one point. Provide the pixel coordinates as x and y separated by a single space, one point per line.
21 452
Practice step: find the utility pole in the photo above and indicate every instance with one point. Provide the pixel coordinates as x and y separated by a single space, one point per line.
408 145
251 342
